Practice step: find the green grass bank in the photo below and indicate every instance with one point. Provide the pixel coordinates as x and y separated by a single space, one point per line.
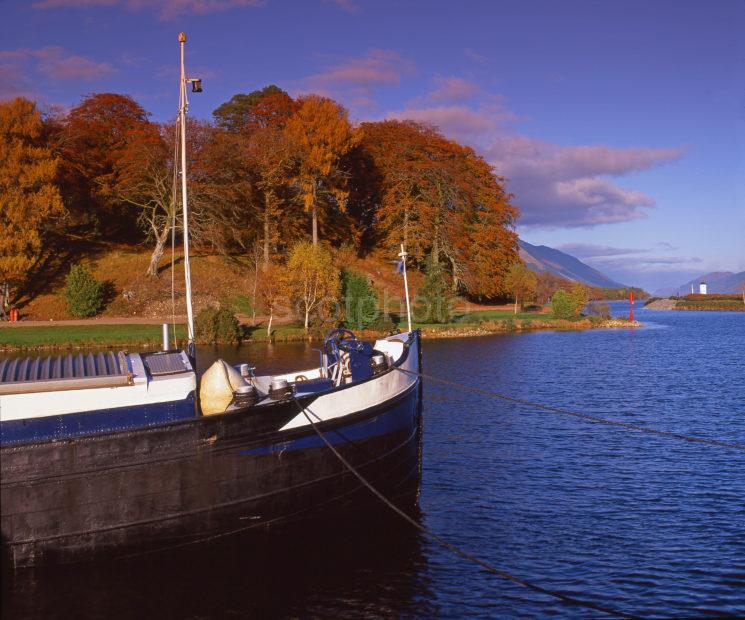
60 337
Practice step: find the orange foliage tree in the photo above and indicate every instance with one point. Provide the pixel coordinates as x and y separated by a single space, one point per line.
95 135
521 283
249 167
271 111
223 193
272 156
323 135
29 199
270 167
439 197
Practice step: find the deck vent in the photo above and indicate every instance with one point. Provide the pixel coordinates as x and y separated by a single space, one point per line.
159 364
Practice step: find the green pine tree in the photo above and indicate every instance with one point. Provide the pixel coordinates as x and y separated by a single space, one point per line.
360 301
434 301
84 295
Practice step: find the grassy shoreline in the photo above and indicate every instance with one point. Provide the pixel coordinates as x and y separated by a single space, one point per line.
62 337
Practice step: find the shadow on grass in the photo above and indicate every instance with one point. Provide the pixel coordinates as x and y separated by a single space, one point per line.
167 266
53 265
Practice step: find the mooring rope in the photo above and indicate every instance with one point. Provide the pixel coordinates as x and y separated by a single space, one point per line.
565 598
575 414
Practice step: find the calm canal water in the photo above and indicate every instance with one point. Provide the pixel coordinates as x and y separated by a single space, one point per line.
649 525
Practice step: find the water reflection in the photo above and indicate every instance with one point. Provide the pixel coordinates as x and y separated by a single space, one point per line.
353 567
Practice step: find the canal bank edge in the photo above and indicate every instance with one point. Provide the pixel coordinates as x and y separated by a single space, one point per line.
97 335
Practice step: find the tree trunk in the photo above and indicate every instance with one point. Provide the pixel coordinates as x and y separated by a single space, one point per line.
160 244
406 226
5 300
266 239
455 273
515 304
269 325
314 210
253 298
307 312
315 224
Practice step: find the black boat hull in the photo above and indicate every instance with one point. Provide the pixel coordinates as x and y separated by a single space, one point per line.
193 481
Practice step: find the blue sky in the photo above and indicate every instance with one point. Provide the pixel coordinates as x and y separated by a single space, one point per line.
620 126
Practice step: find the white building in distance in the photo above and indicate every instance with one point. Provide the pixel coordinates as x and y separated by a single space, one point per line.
702 288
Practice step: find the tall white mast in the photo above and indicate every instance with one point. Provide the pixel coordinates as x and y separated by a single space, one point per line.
183 106
403 254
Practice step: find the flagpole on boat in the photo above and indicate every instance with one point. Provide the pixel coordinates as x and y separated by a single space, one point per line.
403 254
183 106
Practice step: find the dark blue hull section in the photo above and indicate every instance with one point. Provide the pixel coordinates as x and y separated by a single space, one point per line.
99 421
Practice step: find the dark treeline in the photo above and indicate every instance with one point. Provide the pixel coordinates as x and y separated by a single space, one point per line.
267 172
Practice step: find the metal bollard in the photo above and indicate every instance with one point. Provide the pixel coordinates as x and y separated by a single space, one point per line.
165 336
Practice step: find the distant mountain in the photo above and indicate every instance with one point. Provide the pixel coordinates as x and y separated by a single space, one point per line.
541 258
716 282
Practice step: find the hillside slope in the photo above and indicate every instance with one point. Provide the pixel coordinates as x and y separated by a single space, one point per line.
216 281
541 258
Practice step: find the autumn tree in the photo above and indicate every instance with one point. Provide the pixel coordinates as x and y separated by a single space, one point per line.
272 157
579 293
95 135
311 278
243 180
29 199
521 283
398 150
440 197
223 192
322 134
482 242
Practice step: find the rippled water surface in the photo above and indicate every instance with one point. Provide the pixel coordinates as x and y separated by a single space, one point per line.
644 524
